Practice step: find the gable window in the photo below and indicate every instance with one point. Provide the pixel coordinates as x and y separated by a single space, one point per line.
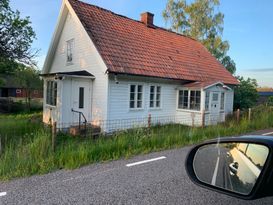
136 96
222 105
155 96
51 93
189 99
183 99
69 51
81 97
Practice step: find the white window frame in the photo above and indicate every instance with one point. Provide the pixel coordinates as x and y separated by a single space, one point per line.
189 95
135 97
178 97
222 101
207 100
154 100
51 95
69 51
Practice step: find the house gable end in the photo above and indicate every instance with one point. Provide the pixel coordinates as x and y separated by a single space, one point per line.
70 28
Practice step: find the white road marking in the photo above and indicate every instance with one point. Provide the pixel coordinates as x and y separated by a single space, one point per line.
213 181
3 194
269 133
145 161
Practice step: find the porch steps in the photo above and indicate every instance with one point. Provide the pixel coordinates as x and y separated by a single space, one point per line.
88 130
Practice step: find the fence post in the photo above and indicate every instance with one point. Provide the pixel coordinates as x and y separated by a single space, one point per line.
53 135
238 115
203 118
0 145
192 118
149 120
249 114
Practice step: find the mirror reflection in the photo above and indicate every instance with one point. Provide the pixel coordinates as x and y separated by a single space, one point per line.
231 166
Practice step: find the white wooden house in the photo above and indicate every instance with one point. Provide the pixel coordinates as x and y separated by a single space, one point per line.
112 68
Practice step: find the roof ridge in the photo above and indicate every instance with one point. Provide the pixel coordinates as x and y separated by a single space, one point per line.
123 16
129 54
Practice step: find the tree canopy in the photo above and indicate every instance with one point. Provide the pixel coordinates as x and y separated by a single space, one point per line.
270 101
245 94
202 21
16 37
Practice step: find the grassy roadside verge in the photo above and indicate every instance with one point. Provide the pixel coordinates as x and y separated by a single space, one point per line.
33 154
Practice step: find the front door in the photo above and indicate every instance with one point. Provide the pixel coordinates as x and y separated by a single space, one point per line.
81 99
214 107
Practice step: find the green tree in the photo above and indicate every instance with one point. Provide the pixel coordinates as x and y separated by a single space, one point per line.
16 37
202 21
29 79
245 94
270 101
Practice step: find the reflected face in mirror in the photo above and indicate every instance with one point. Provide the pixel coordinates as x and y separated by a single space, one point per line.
231 166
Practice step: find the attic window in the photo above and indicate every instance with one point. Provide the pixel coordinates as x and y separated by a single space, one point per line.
69 51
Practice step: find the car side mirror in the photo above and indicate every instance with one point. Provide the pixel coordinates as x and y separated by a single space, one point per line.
240 167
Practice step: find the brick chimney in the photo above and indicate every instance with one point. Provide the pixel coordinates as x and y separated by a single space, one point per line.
147 18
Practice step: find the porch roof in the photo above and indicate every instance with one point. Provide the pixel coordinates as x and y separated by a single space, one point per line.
205 85
81 73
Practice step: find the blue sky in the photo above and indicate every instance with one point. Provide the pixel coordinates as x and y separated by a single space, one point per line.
248 28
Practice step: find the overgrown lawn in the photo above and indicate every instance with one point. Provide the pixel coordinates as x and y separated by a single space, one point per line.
33 154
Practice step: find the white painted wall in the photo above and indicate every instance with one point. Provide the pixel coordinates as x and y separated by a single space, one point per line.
120 114
52 113
229 97
85 57
119 99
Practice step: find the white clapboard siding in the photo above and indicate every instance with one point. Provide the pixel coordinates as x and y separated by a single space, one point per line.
85 57
119 109
189 118
229 101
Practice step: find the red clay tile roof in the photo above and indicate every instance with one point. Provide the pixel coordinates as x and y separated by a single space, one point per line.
204 85
130 47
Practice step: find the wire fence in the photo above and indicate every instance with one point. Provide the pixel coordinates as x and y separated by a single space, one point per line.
20 130
196 119
116 125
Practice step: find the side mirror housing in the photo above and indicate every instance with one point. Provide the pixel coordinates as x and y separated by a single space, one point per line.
241 167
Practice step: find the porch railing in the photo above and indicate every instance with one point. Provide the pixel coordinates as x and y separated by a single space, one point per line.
80 120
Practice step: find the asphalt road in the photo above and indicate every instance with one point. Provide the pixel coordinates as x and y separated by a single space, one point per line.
163 181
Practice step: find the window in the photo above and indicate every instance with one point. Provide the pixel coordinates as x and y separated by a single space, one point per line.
18 91
222 105
136 95
215 97
207 101
183 99
195 100
189 99
69 51
51 93
155 96
81 97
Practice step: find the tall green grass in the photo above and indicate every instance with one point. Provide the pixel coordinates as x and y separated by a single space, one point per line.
20 128
35 155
